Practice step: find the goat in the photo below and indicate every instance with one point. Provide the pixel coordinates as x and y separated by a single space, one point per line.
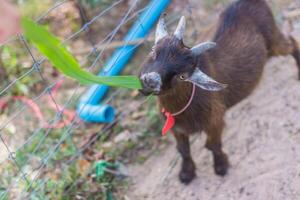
246 37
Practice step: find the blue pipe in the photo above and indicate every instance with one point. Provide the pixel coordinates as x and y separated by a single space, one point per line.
89 108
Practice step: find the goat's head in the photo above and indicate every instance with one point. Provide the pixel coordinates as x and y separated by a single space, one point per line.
170 61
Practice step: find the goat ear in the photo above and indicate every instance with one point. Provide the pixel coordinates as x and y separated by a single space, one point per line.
205 82
202 47
161 30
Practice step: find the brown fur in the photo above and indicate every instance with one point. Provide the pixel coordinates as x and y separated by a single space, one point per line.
246 38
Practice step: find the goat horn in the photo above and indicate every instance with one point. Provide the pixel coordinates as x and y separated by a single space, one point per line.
161 31
205 82
202 47
179 32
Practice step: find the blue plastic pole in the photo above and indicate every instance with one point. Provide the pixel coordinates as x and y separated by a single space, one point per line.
89 108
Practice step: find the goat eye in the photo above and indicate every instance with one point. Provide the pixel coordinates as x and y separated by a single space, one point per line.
182 77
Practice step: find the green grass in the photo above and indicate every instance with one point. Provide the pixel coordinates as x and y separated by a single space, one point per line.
63 60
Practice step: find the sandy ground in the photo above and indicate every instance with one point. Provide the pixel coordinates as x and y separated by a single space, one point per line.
262 139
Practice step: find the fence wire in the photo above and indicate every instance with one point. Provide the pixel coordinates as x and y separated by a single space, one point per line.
30 182
32 179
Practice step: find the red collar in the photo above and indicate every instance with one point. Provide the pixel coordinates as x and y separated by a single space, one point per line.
170 121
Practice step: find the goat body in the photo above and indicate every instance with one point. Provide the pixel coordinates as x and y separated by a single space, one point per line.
247 36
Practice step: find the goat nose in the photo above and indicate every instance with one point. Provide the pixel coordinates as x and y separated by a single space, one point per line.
151 81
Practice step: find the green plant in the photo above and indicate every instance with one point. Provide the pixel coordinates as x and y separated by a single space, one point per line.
13 69
59 56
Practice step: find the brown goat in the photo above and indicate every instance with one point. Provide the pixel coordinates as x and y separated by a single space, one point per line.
247 36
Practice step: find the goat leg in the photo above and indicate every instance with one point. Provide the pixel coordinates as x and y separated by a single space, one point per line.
187 172
296 54
284 45
214 144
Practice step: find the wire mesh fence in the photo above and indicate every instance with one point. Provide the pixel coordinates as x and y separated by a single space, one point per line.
35 161
27 183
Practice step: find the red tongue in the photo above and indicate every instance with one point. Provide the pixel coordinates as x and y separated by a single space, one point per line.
170 122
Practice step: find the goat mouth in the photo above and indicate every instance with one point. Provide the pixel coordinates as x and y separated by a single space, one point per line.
148 93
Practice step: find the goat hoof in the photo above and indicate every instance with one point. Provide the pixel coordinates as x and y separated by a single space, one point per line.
221 165
186 177
187 173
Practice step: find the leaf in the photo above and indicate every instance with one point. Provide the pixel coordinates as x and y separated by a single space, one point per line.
101 166
63 60
83 166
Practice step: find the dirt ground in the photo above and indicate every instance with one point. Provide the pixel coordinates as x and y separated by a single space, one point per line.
262 139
